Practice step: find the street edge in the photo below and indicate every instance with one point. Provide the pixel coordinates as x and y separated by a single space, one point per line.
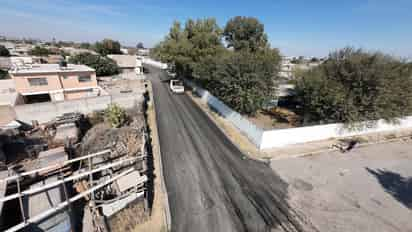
157 143
246 154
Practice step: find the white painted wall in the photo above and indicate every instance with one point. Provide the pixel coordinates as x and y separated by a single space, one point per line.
283 137
249 129
152 62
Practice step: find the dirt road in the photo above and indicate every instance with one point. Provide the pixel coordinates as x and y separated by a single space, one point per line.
211 185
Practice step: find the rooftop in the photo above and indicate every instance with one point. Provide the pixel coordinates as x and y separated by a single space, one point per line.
124 61
50 68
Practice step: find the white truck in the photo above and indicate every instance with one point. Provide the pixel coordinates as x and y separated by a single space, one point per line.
176 86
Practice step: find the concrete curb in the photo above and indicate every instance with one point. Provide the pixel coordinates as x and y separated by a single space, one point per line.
333 149
157 142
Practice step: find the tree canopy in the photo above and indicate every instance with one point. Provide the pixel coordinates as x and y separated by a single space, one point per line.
104 66
184 47
354 86
3 74
4 51
241 78
245 33
107 46
140 45
40 51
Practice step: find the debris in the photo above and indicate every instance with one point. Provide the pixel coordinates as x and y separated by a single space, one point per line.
345 145
42 201
123 141
67 132
112 208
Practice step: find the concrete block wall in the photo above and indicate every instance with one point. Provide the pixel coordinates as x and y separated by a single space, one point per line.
44 112
152 62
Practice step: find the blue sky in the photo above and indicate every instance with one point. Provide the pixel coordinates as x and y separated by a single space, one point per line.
296 27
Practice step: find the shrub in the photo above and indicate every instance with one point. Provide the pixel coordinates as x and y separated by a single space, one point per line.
115 115
104 66
354 86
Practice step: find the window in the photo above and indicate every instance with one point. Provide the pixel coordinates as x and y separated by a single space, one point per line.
86 78
38 81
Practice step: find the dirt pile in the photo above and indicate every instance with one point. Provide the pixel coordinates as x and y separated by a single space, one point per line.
126 140
123 141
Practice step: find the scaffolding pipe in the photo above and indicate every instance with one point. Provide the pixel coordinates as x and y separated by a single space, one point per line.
58 165
58 182
61 206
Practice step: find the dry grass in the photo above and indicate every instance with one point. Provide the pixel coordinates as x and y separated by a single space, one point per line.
129 218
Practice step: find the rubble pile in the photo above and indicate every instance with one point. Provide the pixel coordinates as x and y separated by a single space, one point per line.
115 156
122 141
122 201
126 140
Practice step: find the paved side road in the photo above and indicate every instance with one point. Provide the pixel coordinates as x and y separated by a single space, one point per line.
211 185
367 189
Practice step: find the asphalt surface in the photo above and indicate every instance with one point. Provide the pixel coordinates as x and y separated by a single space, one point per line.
211 185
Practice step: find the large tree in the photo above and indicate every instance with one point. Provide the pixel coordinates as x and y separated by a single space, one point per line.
4 51
104 66
245 33
108 46
243 80
353 86
140 45
40 51
3 74
185 47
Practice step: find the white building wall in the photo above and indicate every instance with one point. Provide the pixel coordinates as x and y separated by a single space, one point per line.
283 137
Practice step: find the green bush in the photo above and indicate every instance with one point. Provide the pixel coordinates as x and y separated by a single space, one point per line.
115 115
3 74
4 51
104 66
354 86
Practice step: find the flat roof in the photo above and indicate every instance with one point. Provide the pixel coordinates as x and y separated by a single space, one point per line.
124 61
50 68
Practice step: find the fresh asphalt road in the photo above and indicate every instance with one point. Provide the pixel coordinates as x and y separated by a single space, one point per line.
211 185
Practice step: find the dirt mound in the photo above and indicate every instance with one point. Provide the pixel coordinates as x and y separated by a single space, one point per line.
123 141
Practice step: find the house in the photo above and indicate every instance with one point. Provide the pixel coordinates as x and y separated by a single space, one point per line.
143 52
54 59
53 82
128 63
75 51
124 50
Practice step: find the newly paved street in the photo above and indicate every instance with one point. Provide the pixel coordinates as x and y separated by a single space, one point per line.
211 185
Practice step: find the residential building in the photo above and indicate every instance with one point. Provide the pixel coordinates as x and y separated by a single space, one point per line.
54 59
75 51
289 64
143 51
124 51
128 63
53 82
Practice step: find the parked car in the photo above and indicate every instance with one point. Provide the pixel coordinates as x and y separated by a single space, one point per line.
176 86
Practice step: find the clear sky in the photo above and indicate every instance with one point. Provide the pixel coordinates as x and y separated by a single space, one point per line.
296 27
